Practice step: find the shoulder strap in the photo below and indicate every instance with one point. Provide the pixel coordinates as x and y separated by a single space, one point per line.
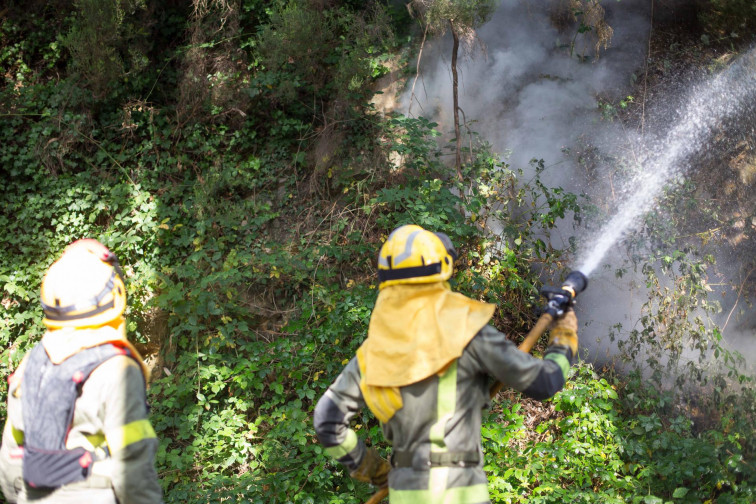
48 397
49 392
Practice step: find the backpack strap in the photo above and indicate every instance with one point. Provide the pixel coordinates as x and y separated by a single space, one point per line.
49 394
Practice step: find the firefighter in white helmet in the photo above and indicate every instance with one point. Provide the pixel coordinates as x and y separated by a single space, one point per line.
424 371
78 428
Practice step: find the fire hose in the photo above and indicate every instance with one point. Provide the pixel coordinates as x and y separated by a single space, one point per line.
558 300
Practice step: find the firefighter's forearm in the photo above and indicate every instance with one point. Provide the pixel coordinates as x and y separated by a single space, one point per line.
537 378
333 413
332 428
552 375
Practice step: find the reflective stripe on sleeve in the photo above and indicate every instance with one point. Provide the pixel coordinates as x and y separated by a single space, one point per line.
18 435
349 444
562 361
96 440
473 494
120 438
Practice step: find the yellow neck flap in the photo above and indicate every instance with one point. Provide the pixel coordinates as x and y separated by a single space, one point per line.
60 344
416 331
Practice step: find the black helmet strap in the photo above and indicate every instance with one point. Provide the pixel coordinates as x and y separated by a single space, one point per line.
413 272
63 313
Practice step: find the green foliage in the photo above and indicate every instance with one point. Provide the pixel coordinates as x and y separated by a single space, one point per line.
676 337
107 40
466 14
249 266
680 459
602 443
24 45
425 198
611 111
728 20
577 453
322 53
686 438
675 319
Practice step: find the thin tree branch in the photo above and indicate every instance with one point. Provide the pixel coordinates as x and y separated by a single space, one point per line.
417 73
455 92
740 291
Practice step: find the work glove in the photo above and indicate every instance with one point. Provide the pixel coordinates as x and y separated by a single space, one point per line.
373 469
564 331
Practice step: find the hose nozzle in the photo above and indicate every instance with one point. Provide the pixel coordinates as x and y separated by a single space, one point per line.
559 299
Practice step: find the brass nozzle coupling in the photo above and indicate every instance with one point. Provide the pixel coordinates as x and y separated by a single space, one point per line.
575 283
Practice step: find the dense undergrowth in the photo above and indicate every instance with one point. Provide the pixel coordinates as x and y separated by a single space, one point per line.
229 156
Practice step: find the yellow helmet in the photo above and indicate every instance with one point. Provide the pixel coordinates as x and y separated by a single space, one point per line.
412 255
84 288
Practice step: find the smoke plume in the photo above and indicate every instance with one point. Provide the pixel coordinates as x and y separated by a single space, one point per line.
537 90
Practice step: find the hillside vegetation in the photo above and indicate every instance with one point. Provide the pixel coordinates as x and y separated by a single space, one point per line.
229 154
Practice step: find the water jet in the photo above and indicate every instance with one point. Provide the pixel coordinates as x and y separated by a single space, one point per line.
706 106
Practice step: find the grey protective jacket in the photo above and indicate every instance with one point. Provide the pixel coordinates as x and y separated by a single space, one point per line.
110 419
435 436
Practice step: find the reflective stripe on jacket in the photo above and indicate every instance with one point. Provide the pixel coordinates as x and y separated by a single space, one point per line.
440 418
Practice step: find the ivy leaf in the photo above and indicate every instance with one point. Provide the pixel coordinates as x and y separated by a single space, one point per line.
680 492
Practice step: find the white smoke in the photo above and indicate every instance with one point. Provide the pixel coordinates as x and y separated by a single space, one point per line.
527 92
532 96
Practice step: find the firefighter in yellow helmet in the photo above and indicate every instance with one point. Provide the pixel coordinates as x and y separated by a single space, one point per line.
424 371
77 428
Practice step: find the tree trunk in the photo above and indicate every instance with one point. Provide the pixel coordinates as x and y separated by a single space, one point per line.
455 92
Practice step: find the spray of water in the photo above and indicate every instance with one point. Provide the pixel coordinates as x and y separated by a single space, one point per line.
706 106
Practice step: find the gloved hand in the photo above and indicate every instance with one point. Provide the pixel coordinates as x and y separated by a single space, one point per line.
564 331
373 469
